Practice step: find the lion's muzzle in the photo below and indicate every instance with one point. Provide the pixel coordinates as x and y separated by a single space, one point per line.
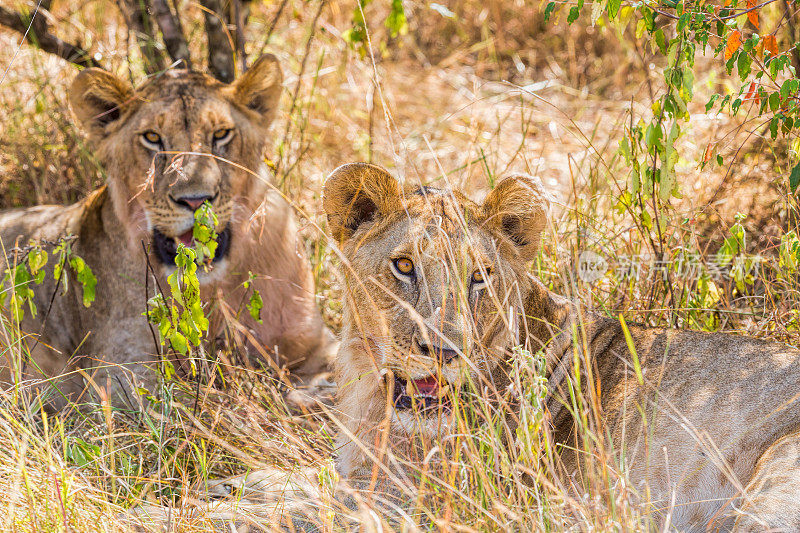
425 395
166 248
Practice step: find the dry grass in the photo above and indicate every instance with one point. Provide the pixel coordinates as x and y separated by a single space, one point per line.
459 101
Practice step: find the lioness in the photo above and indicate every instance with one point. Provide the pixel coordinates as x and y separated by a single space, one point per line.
179 140
437 294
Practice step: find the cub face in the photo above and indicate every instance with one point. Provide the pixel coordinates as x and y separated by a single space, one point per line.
434 285
179 140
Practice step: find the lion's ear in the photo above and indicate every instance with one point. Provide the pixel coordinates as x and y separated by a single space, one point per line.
356 193
98 98
259 89
517 208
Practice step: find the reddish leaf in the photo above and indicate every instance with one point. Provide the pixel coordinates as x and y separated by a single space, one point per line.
734 41
771 45
752 93
752 16
709 153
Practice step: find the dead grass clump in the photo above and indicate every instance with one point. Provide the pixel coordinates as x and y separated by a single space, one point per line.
41 492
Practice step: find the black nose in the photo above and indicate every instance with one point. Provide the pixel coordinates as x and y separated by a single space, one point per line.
193 202
442 354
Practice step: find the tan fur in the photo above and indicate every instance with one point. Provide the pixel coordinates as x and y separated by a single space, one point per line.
718 445
113 223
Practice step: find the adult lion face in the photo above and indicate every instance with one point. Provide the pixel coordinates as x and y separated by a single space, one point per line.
179 140
434 285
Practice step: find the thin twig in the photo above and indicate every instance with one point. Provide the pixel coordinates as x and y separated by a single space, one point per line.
220 45
272 27
239 21
303 62
148 268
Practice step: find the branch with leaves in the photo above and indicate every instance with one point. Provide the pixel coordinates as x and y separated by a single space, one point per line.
158 31
34 28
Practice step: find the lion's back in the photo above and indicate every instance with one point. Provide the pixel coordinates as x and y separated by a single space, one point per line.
693 402
39 223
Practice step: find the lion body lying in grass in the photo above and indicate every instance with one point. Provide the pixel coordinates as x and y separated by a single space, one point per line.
437 294
151 195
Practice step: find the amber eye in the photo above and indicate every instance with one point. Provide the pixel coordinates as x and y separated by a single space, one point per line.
152 140
403 267
479 278
222 137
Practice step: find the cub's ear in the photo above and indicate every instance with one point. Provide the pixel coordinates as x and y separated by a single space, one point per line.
98 98
259 89
356 193
517 208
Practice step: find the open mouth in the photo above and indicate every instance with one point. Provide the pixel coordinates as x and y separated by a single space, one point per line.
421 395
166 248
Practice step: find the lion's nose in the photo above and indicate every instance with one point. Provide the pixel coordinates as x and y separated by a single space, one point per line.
193 202
443 354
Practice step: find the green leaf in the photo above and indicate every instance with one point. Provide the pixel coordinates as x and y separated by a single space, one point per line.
774 67
613 8
711 102
774 101
85 277
178 343
661 41
743 63
573 14
648 15
637 367
255 305
773 126
785 89
37 259
81 453
794 178
625 149
396 22
652 136
549 10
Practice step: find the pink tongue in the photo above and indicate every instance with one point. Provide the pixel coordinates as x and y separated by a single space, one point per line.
187 237
427 386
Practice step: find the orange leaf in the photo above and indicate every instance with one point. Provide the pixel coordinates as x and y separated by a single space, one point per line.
771 45
752 16
709 153
734 40
752 93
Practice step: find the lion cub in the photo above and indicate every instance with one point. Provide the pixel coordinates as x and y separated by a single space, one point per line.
179 140
437 292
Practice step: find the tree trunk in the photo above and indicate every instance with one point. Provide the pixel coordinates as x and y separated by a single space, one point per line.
137 17
220 41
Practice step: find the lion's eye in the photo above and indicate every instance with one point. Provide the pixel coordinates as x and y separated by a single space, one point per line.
403 268
222 137
479 277
152 141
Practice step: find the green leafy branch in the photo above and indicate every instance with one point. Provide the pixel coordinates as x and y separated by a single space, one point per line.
29 269
180 318
395 22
